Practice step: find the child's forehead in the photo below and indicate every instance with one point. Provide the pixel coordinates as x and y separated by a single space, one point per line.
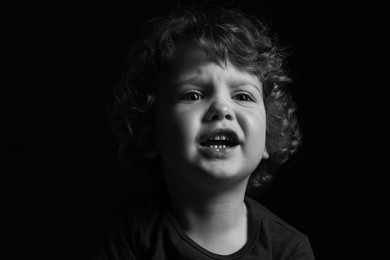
191 60
187 55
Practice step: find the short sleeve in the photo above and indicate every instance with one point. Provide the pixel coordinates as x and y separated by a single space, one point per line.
301 251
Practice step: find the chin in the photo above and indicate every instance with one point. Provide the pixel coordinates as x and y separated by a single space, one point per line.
225 172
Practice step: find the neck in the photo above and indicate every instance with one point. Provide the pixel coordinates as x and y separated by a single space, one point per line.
208 216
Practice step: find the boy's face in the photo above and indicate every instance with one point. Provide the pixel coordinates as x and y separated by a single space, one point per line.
210 120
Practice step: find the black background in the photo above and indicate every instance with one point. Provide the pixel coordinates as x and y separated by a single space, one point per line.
61 168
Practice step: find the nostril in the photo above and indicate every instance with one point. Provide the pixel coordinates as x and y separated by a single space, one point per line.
219 111
218 116
215 117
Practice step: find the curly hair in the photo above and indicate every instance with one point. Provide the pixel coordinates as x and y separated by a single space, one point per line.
224 35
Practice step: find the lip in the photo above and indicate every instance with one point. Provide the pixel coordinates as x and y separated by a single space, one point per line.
217 152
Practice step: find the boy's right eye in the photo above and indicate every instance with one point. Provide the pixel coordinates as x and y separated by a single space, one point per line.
191 96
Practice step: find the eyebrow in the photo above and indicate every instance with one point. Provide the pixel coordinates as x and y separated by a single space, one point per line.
192 80
250 83
196 80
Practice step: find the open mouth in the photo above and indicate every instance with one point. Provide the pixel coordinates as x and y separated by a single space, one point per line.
220 141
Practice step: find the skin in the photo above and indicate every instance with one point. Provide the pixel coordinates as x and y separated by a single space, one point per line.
207 188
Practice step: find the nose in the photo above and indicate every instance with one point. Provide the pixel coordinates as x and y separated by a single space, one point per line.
219 110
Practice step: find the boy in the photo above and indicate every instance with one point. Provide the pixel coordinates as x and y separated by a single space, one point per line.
204 100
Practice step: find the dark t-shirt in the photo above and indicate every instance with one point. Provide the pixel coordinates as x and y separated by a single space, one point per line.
149 230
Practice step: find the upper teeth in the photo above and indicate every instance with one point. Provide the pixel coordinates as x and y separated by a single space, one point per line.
220 137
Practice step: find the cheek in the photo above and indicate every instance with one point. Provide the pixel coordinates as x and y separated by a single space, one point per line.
254 124
176 127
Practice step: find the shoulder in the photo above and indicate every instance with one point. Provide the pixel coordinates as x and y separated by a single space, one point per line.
284 239
137 216
128 227
260 212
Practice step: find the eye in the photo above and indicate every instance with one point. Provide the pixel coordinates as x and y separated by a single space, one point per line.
191 96
246 97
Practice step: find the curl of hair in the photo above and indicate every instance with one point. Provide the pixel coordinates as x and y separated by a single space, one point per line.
224 35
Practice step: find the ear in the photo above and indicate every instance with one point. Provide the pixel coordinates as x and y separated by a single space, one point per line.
265 153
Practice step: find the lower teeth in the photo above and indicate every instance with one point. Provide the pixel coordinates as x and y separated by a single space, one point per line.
218 146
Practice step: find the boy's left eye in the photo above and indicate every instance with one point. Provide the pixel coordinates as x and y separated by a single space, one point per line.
244 97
